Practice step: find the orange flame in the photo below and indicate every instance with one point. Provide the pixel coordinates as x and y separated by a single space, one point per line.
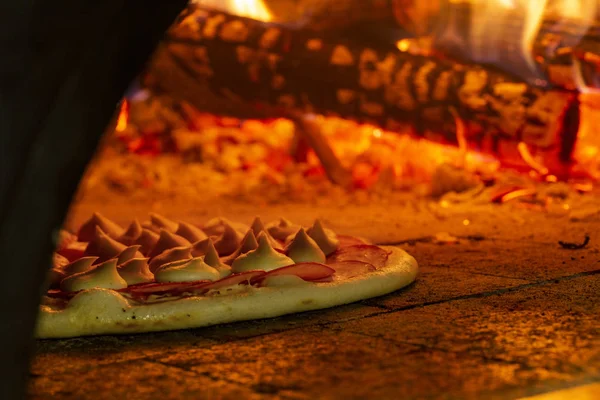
255 9
491 20
123 116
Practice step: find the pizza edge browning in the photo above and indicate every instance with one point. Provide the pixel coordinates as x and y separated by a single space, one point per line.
105 311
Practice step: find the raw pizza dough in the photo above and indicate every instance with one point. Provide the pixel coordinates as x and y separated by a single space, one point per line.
105 311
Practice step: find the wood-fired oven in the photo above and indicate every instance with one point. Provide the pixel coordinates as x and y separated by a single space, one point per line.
461 131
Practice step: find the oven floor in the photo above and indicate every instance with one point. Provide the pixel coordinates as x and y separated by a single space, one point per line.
504 313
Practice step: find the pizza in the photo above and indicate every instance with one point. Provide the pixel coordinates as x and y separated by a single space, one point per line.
165 275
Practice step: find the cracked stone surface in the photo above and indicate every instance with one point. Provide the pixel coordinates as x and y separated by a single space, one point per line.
496 318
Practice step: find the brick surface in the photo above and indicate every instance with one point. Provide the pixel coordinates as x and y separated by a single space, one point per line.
553 326
436 284
136 379
331 363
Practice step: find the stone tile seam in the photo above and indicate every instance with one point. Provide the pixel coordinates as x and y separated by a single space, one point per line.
486 294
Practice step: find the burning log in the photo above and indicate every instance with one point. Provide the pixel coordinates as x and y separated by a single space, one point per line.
265 69
552 46
562 50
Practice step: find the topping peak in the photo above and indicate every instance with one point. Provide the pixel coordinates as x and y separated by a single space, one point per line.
282 228
194 269
304 249
248 242
161 222
103 275
167 240
190 232
168 256
103 246
325 238
147 240
88 229
211 257
81 265
135 271
257 226
132 233
264 257
228 242
129 253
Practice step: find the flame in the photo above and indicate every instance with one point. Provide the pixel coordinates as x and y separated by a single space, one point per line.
123 116
255 9
494 30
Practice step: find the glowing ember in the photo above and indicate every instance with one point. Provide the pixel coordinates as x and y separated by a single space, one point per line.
528 158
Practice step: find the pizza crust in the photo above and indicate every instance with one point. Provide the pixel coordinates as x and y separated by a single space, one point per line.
103 311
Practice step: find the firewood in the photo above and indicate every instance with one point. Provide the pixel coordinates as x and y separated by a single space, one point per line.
274 70
558 42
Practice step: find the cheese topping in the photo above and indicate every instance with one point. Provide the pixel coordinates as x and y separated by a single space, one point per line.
228 242
216 227
283 280
104 276
88 229
159 222
257 227
264 257
304 249
103 246
325 238
194 269
129 253
190 232
131 234
249 242
166 241
200 247
81 265
54 277
168 256
147 240
211 257
281 229
135 271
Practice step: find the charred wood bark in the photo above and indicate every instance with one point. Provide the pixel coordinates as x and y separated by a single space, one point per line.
273 69
561 49
66 64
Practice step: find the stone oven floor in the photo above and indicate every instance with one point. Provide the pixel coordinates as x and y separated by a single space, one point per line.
504 313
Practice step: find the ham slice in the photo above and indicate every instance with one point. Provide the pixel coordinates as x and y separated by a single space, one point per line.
73 251
156 288
309 271
367 253
346 240
351 268
231 280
